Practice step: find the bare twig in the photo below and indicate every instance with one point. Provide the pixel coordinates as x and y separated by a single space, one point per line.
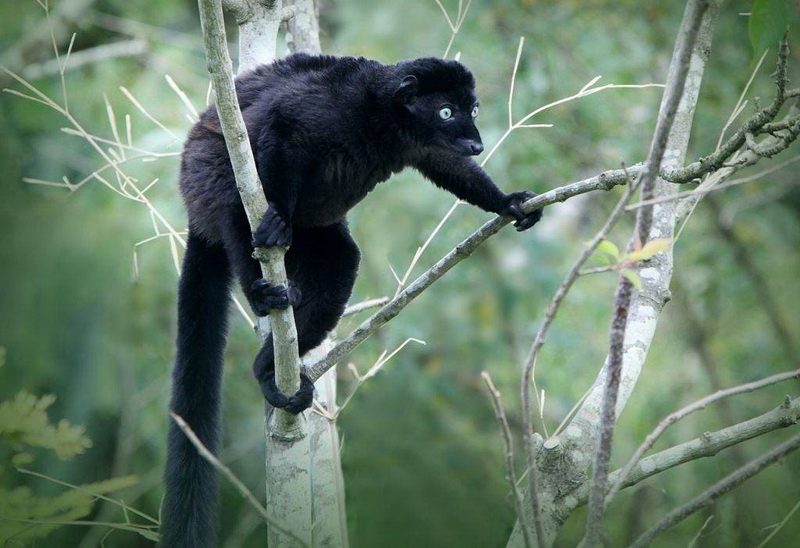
455 26
371 372
647 179
364 305
779 526
725 485
511 475
125 48
236 482
682 413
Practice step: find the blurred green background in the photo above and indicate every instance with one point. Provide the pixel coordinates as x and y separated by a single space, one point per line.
421 452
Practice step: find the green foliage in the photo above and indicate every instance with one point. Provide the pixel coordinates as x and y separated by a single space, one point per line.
24 421
26 516
606 249
609 255
767 25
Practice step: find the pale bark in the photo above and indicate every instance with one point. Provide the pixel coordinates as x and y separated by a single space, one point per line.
288 450
303 27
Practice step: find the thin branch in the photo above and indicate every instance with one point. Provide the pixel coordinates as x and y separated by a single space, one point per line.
725 485
719 158
511 475
778 527
603 181
722 186
707 445
228 473
684 412
364 305
125 48
673 93
371 372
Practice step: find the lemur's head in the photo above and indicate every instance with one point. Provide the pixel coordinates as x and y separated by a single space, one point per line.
439 97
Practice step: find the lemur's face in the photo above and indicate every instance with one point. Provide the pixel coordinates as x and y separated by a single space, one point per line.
445 119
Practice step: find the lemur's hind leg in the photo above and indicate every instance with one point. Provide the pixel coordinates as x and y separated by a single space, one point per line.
322 263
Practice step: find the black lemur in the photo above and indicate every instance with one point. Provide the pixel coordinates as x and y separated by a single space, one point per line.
325 131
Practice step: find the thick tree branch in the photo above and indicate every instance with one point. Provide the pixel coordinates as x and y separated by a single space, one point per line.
284 331
228 473
725 485
684 412
707 445
579 438
303 27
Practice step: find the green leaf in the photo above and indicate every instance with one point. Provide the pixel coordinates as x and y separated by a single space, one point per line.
633 277
24 422
767 24
650 248
608 247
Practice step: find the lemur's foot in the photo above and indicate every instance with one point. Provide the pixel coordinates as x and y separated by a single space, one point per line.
298 403
265 297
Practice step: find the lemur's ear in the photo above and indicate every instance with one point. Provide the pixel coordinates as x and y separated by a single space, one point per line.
406 92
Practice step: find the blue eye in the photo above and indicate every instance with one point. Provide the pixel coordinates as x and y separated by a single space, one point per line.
445 113
475 111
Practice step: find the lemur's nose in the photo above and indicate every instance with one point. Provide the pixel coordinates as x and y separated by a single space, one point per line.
476 148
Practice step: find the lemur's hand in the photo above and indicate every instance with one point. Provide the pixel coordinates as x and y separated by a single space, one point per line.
264 296
514 209
273 231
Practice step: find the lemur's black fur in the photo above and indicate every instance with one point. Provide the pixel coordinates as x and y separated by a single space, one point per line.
325 131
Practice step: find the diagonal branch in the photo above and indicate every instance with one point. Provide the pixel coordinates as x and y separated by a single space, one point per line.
707 445
604 181
672 418
725 485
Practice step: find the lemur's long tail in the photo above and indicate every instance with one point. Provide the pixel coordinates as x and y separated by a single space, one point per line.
189 513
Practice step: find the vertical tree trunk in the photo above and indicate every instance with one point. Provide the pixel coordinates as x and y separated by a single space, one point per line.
288 487
304 484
